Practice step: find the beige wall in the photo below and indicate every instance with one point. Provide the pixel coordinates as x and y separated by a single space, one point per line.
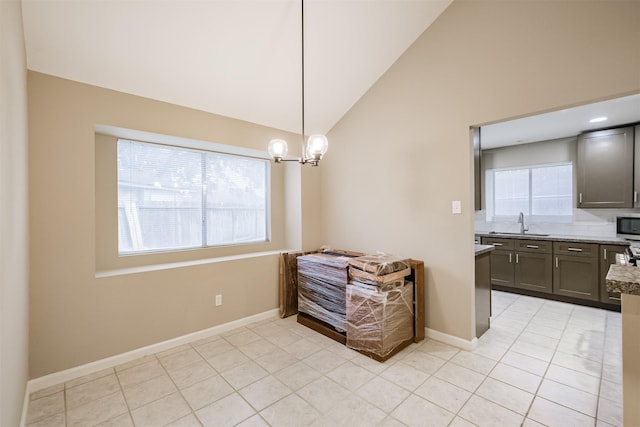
403 153
14 331
77 318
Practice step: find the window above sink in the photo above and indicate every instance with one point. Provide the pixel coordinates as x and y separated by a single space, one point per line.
537 191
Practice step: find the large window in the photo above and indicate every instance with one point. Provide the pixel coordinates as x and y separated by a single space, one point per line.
537 190
172 198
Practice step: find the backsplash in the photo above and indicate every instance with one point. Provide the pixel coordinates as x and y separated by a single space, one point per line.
583 222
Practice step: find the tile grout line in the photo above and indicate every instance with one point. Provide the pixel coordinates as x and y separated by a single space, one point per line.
124 397
218 373
270 374
64 398
600 379
164 368
549 363
387 414
535 395
606 324
257 412
526 414
471 394
236 391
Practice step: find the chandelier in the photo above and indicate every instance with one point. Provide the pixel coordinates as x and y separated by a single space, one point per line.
316 146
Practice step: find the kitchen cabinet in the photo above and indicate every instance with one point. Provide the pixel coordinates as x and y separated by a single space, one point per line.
524 264
533 265
502 260
605 169
477 169
483 293
607 258
576 270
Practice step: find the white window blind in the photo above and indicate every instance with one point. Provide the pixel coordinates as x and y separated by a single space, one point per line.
537 190
172 198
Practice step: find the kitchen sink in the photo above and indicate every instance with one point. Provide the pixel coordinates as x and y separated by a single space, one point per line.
518 234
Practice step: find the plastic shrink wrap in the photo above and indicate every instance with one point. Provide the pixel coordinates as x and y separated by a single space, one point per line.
322 282
379 320
378 270
288 283
380 264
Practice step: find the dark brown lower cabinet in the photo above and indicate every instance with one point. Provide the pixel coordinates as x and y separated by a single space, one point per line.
533 268
607 257
483 293
502 262
524 264
571 269
576 270
533 272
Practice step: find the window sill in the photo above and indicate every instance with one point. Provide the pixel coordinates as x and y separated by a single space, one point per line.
172 265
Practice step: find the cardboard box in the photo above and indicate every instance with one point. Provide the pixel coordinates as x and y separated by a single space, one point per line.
373 279
380 265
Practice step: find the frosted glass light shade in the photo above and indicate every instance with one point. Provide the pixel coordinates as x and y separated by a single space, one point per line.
278 148
317 146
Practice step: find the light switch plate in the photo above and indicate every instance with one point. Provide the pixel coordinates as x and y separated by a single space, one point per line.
456 207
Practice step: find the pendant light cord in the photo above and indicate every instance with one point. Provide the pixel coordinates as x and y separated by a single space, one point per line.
304 155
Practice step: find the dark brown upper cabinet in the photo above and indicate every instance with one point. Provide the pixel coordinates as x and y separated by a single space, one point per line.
605 169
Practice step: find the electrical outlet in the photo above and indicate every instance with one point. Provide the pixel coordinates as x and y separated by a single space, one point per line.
218 299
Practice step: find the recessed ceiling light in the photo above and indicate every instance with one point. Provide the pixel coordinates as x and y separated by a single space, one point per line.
598 119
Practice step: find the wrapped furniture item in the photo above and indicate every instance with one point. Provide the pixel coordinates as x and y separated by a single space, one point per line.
322 299
288 295
378 270
379 321
372 279
322 281
380 265
380 305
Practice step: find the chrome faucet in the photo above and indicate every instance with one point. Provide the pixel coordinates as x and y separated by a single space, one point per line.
523 229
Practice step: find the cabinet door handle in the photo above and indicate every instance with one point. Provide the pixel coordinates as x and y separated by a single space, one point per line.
516 258
635 197
509 258
574 249
497 244
533 246
580 198
605 254
556 262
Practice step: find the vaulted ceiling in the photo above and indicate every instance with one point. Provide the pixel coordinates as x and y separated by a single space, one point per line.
237 58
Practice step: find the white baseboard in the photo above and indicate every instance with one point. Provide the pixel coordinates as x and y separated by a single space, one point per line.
451 339
110 362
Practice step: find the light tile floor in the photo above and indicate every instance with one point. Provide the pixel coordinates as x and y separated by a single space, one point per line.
541 363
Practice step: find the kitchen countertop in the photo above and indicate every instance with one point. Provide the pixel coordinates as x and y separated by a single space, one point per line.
483 249
624 279
559 238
